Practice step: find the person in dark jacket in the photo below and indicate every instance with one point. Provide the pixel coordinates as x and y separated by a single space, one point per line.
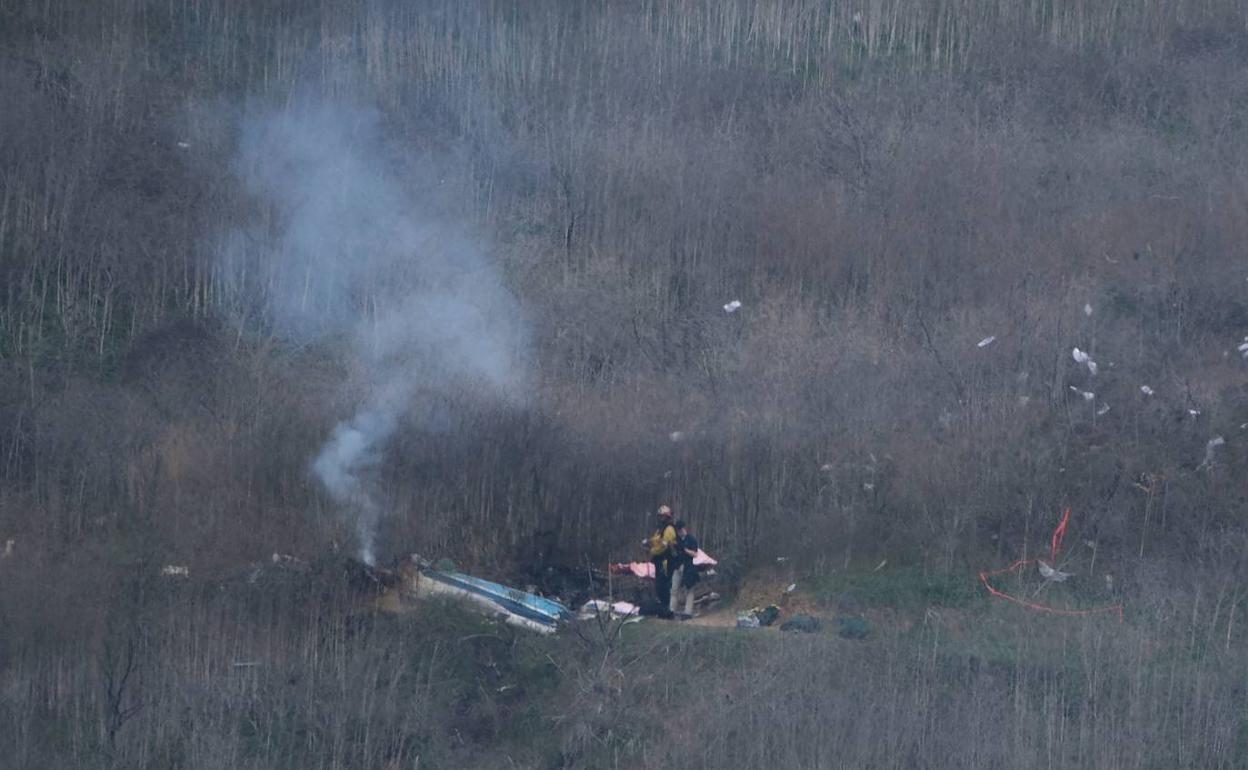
685 574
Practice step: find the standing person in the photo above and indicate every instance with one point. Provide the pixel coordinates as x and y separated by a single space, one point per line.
662 547
685 575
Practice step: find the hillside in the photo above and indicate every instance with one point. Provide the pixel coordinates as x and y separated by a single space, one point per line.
870 293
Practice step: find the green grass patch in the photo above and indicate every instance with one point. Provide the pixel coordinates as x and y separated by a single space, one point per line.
904 588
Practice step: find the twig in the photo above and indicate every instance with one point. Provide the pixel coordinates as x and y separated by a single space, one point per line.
958 391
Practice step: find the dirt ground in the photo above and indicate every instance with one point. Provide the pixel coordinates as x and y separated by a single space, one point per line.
769 587
760 590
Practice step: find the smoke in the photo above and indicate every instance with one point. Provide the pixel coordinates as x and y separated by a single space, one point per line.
346 253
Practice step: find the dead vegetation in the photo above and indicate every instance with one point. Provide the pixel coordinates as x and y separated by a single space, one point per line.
881 186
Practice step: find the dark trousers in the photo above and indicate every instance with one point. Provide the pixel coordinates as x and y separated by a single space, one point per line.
663 582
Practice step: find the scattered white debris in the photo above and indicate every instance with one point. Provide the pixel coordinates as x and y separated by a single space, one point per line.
594 607
173 570
1024 400
868 486
1083 358
1100 412
676 435
792 587
1146 390
826 467
985 342
1194 413
1053 575
880 566
1243 348
184 145
1243 426
782 558
1087 309
733 306
1212 444
1087 395
9 545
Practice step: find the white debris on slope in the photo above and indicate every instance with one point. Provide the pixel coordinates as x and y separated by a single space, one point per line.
1101 412
1087 395
985 342
1146 390
1083 358
1212 444
733 306
1087 309
1054 575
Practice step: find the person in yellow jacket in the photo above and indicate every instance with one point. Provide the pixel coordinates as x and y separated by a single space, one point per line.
662 547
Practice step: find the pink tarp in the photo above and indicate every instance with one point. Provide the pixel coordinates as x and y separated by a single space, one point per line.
645 569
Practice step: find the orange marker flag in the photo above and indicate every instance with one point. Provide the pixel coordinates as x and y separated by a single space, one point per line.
1058 534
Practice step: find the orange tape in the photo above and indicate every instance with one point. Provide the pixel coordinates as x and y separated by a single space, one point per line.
983 576
1059 534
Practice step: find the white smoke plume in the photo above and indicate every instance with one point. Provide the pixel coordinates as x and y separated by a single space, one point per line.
347 253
